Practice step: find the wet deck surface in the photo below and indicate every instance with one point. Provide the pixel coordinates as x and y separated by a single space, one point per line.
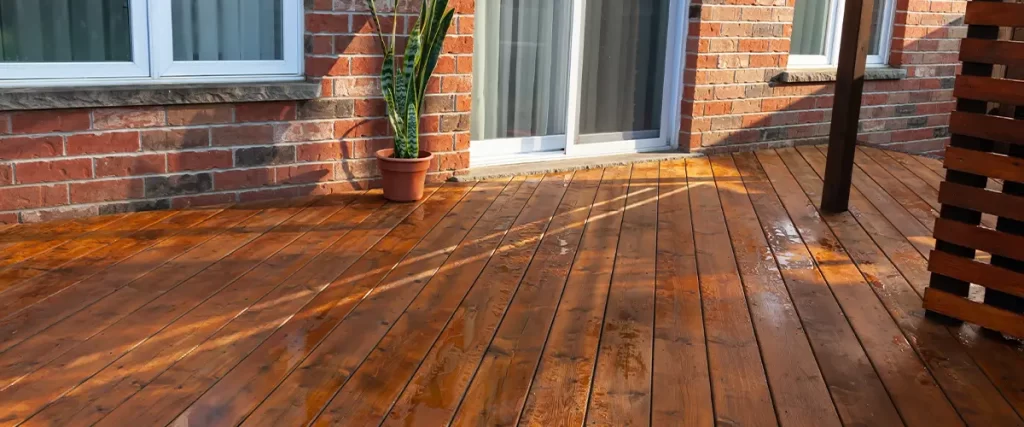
680 293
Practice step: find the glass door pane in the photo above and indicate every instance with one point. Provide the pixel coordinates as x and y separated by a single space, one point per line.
65 31
521 68
622 92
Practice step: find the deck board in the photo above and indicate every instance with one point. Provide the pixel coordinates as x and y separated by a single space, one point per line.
686 292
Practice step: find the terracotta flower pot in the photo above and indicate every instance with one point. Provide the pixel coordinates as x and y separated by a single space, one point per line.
403 178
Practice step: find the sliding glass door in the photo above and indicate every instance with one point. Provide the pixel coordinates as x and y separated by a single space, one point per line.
574 77
521 75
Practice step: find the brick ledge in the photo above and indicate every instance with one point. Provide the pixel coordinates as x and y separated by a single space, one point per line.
816 75
143 95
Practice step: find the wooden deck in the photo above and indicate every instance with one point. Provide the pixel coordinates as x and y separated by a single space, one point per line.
682 293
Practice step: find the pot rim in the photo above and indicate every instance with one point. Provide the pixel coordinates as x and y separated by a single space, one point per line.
386 153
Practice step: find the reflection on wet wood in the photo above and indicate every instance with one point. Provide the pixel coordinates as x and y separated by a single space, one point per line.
678 293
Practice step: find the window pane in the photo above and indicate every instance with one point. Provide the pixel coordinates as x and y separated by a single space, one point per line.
521 68
623 70
877 22
65 31
228 30
810 26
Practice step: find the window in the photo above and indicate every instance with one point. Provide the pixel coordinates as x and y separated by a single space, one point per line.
817 25
59 42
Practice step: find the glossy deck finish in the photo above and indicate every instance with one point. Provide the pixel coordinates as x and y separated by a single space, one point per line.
693 293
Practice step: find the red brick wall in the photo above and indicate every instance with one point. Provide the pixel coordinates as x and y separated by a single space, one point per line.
70 163
736 47
66 163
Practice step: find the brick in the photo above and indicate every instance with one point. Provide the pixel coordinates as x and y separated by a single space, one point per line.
202 200
6 175
269 194
29 197
175 139
303 131
199 160
190 115
146 164
265 112
50 121
305 174
319 44
326 109
361 128
54 171
323 151
128 118
243 179
357 44
103 143
356 169
19 148
164 186
261 156
107 190
137 206
329 66
59 213
327 23
242 135
455 122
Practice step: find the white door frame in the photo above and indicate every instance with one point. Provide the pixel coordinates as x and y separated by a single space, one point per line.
530 149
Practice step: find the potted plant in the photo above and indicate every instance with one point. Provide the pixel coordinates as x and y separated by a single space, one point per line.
404 168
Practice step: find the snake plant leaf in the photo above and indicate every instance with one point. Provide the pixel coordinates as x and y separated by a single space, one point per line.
404 79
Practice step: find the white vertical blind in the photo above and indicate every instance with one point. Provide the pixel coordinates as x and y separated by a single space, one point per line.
65 31
227 30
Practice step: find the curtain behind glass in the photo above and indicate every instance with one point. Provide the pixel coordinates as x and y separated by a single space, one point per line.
65 31
623 69
521 68
228 30
810 22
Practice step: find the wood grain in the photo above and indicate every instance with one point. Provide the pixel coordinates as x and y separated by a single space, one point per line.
374 385
898 275
458 351
171 392
986 164
738 381
681 387
498 391
561 387
920 400
621 393
985 315
248 384
1006 52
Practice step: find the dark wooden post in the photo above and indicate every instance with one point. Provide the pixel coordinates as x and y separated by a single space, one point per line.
842 140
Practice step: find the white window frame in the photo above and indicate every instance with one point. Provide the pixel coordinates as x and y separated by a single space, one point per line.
153 57
832 39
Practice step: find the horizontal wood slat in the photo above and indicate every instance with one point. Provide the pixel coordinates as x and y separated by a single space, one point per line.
1004 52
989 89
981 200
994 13
991 241
968 270
994 128
980 314
986 164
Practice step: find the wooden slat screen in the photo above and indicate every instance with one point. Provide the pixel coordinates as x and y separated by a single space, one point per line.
983 147
992 52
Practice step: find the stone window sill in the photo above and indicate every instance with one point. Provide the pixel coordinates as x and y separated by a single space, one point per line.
143 95
818 75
